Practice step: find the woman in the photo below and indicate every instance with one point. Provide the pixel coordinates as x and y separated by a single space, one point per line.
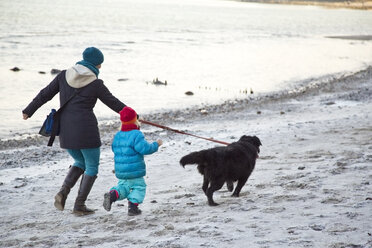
79 132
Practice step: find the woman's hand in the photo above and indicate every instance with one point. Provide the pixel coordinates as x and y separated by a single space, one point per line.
160 142
25 116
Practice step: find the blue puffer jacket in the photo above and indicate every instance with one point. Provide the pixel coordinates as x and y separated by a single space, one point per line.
129 149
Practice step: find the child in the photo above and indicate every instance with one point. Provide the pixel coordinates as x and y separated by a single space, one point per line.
129 147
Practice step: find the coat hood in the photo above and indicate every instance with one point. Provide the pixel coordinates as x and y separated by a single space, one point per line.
79 76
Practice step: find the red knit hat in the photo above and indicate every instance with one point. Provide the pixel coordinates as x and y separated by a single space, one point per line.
128 115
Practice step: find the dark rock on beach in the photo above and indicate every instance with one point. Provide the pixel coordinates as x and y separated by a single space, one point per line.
15 69
55 71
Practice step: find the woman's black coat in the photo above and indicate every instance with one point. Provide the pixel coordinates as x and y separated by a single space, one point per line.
78 123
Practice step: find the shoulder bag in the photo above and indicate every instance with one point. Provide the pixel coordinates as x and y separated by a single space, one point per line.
50 127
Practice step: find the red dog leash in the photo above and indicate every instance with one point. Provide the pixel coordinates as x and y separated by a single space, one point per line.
181 132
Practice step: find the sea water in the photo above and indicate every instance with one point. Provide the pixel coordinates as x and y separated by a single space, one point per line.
218 50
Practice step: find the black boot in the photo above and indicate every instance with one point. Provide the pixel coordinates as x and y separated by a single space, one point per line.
84 190
133 209
109 198
73 175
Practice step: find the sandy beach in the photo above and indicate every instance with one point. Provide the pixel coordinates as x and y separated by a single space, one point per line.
311 186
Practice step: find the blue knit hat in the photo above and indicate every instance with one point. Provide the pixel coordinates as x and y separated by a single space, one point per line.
93 55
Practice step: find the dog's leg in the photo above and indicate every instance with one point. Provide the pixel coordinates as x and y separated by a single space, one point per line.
205 184
230 185
239 186
214 186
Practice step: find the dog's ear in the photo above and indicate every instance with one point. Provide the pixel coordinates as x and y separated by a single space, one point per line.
257 141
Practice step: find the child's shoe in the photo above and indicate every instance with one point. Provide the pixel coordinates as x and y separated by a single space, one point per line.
133 209
109 198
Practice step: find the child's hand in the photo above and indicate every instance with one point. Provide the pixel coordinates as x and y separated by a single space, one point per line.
160 142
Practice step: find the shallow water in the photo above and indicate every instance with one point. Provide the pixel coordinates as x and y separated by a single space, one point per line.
216 49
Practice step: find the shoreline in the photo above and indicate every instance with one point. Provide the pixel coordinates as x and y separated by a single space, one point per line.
36 144
358 5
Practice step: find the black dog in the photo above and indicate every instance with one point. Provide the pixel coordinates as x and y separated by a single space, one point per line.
234 162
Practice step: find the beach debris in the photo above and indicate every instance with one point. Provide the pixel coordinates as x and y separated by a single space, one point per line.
203 111
42 72
282 112
189 93
15 69
245 91
259 112
330 103
55 71
123 79
301 168
316 227
154 201
20 186
156 81
23 182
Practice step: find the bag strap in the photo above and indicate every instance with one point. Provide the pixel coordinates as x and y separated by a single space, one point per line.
72 96
56 120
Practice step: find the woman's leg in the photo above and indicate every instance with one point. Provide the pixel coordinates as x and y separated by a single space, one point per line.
91 159
71 178
78 157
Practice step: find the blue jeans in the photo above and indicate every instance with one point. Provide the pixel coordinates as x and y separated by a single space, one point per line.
86 159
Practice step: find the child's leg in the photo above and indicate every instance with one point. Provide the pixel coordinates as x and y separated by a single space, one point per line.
109 198
118 192
136 196
137 190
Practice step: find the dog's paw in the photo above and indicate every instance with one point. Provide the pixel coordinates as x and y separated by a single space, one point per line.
213 204
235 195
230 186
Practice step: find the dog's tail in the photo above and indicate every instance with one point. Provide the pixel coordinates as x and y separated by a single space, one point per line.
193 158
